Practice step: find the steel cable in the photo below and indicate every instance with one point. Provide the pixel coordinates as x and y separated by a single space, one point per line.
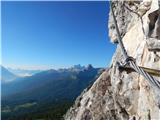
132 63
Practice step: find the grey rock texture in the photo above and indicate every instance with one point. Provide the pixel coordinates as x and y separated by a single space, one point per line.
122 95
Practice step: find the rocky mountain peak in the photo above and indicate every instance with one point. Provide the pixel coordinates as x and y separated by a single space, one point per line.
89 67
121 94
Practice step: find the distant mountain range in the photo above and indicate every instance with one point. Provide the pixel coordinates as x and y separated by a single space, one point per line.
51 86
6 75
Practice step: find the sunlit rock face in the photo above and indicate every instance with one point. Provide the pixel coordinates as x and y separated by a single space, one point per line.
122 95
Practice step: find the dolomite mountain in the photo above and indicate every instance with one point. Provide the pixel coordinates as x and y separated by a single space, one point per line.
122 95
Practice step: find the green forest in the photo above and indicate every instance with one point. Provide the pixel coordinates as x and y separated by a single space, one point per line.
54 111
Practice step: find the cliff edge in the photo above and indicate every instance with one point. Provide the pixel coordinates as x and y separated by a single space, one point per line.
121 94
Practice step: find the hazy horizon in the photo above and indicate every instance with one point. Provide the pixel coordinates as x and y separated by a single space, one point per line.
43 67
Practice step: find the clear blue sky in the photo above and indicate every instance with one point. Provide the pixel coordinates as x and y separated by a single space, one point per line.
57 34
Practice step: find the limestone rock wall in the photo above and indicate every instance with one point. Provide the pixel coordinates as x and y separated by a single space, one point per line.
119 95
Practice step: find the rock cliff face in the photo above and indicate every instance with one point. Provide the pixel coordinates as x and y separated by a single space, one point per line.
122 95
